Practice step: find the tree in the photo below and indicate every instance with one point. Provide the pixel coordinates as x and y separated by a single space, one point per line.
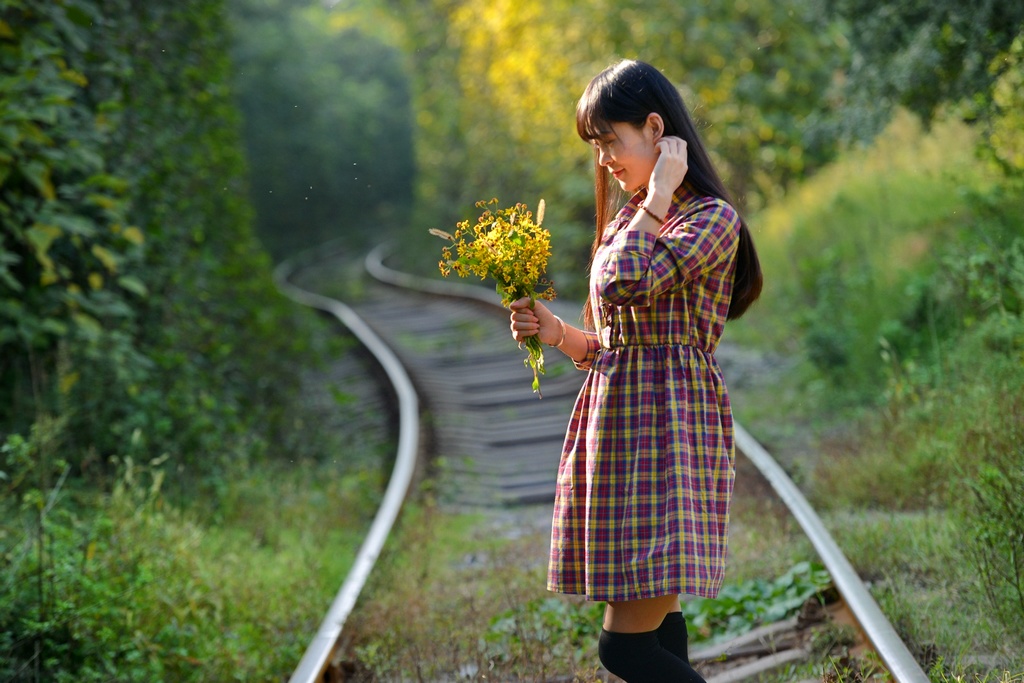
921 54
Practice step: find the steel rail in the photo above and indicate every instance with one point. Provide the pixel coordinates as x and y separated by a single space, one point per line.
887 643
876 626
317 656
374 263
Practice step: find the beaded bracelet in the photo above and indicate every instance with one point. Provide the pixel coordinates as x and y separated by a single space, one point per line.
661 221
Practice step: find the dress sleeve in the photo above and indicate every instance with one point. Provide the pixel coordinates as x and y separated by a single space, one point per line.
593 346
695 240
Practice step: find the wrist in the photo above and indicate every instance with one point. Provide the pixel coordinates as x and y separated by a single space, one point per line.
657 203
561 334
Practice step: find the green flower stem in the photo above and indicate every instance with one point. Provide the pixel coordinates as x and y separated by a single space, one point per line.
535 361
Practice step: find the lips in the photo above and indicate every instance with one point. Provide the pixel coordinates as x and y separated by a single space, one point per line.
618 173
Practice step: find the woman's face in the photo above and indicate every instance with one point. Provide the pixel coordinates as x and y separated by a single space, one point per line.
629 153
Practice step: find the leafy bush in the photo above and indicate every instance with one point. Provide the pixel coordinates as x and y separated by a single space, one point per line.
134 300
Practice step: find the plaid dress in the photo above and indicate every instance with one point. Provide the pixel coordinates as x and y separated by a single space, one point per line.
646 474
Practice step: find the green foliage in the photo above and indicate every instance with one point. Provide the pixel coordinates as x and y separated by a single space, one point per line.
1006 134
757 74
740 607
994 524
563 631
494 101
138 324
124 586
327 127
848 256
134 300
70 263
901 269
921 55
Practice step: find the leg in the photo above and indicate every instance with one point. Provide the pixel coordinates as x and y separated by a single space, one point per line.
673 636
638 616
630 646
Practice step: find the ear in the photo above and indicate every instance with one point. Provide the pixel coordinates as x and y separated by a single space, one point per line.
656 125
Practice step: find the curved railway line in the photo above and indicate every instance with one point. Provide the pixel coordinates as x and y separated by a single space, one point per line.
447 332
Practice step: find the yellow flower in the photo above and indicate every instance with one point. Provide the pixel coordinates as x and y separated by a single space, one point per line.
509 247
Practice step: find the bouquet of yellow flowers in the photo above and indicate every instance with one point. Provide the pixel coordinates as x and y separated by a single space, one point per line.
507 246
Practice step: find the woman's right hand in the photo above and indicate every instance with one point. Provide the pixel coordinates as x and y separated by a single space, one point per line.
537 319
668 174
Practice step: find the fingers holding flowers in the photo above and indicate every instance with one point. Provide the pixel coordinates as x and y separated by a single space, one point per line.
536 319
525 322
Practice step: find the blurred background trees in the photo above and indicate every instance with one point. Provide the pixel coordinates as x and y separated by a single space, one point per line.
327 126
922 56
500 80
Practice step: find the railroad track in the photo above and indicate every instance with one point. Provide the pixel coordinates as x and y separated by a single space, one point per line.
497 444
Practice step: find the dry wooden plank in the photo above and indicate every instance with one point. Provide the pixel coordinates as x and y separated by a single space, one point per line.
760 666
760 636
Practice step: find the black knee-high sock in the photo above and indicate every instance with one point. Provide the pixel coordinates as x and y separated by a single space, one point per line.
673 637
640 658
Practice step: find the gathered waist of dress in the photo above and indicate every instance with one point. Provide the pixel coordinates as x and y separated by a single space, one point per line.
608 340
654 345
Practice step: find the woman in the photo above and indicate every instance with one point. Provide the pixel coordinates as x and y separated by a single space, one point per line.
644 485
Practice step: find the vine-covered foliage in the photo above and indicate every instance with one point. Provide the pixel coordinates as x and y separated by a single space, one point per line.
135 302
138 324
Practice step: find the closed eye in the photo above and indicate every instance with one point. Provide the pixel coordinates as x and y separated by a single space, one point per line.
603 143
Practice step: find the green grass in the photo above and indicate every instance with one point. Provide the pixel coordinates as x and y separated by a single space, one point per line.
871 218
136 589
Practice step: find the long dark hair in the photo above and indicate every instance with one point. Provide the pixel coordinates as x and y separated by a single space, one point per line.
628 92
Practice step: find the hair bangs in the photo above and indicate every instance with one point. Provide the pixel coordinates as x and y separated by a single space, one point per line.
591 121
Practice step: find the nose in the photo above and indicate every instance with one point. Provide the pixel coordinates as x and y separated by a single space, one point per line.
603 157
